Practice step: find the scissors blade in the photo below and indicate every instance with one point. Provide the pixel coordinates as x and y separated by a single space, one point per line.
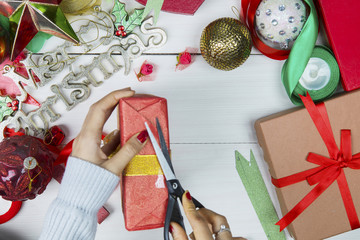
163 145
169 175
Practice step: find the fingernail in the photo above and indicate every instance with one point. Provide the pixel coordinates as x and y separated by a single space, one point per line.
188 196
128 88
143 136
171 229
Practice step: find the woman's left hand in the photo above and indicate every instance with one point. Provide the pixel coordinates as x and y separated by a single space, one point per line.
86 145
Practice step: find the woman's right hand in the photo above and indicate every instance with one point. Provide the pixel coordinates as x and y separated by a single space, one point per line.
205 223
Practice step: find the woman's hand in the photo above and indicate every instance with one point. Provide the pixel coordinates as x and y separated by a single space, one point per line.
204 222
86 146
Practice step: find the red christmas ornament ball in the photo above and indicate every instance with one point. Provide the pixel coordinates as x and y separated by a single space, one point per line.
26 167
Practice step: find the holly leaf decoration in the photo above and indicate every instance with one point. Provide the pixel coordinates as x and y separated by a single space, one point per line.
122 19
5 110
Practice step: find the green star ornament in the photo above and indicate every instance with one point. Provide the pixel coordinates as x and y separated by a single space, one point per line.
28 17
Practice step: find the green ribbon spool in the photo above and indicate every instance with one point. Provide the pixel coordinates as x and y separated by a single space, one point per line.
301 52
321 87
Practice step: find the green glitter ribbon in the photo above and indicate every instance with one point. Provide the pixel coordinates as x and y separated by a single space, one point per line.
255 187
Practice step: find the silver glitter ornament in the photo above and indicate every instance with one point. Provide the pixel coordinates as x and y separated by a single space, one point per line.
279 19
79 82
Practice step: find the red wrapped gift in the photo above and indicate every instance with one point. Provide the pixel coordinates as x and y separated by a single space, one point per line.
144 192
341 21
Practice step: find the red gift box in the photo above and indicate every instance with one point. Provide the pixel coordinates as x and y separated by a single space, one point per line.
341 22
144 192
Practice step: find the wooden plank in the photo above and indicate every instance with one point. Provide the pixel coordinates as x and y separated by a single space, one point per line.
205 105
207 170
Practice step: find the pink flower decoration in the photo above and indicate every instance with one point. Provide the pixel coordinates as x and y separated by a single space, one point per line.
146 72
146 69
185 59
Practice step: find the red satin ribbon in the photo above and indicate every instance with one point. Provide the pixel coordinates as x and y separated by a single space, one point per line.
14 209
64 154
329 170
248 11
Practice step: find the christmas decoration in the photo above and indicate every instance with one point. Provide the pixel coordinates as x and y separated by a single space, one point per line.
125 24
145 71
173 6
27 18
225 43
75 87
7 106
54 136
279 22
77 7
26 167
4 38
185 59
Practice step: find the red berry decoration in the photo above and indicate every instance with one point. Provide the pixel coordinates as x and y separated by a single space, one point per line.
9 104
121 28
14 108
123 34
26 167
118 33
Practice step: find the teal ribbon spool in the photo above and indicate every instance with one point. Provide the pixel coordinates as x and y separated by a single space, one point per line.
319 86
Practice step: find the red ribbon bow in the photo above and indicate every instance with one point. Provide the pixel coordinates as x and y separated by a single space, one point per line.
330 168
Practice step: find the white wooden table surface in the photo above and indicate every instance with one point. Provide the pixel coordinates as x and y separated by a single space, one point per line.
211 114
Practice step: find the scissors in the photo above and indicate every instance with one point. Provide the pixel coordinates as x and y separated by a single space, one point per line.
175 189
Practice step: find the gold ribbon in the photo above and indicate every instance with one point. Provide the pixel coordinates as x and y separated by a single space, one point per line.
142 165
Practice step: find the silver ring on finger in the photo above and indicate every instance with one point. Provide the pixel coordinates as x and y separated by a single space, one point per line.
223 228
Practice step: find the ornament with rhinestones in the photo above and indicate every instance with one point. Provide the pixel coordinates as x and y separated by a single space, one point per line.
125 23
279 22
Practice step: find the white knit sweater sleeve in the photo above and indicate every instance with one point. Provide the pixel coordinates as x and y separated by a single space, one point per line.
84 189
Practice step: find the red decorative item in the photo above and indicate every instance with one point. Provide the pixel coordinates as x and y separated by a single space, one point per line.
7 85
54 136
179 6
144 195
121 32
343 38
26 167
185 59
145 72
27 18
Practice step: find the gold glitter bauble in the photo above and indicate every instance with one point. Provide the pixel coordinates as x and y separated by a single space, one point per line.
225 43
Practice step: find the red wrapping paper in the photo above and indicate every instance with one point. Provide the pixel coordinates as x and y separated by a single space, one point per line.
341 22
179 6
144 197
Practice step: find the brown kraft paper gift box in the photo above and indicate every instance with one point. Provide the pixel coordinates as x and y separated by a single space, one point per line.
286 139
